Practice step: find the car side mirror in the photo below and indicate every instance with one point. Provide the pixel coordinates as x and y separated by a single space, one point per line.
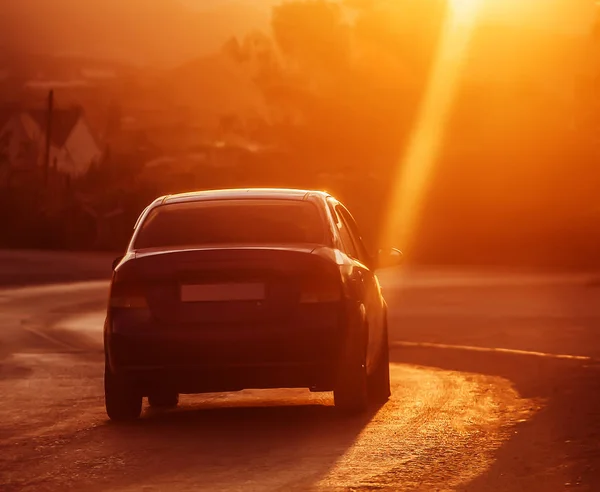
389 258
116 262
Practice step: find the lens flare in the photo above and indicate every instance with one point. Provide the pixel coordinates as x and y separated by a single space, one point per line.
418 163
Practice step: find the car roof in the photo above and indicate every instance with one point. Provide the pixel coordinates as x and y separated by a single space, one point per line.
242 194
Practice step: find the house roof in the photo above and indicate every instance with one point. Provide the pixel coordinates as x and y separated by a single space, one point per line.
63 122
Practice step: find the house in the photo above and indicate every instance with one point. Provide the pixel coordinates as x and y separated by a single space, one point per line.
23 134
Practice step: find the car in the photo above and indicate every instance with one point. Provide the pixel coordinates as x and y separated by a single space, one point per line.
226 290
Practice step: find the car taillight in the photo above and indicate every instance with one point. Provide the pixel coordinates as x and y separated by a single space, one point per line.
127 295
320 289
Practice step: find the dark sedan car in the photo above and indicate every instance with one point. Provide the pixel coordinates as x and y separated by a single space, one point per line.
253 288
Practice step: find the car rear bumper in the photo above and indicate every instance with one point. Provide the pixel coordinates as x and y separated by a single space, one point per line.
226 357
208 379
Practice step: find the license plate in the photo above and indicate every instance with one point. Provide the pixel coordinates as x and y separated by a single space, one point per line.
223 292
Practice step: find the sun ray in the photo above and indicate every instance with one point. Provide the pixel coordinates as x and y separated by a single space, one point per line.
418 164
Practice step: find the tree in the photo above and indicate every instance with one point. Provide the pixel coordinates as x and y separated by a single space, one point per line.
312 34
344 81
405 30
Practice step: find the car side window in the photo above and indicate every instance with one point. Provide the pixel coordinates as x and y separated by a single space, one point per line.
352 227
345 234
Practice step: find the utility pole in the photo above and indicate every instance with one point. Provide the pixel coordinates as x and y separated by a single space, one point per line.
48 136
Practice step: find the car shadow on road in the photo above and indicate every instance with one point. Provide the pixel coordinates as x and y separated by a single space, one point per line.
558 444
227 442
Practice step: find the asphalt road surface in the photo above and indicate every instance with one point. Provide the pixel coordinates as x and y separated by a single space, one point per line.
496 386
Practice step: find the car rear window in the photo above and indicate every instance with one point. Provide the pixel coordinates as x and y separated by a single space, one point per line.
249 221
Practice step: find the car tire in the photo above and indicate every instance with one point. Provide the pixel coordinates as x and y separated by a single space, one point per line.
379 381
351 393
163 399
123 403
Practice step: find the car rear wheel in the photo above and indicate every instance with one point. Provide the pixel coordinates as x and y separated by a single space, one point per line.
379 382
351 393
163 399
123 403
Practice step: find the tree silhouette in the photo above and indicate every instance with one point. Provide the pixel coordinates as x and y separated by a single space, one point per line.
345 88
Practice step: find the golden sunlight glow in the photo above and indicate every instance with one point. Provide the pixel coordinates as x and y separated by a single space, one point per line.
464 10
418 164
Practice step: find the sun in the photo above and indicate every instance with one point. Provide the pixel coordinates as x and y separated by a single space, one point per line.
465 10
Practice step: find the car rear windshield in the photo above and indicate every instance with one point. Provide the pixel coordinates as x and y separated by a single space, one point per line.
248 221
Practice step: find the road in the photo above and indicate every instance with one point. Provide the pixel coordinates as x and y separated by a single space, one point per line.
496 386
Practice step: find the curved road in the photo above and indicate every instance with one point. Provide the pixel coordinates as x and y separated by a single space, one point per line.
496 386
